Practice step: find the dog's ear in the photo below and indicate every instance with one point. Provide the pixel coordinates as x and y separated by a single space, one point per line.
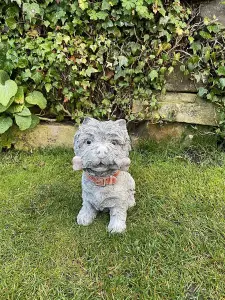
88 120
122 123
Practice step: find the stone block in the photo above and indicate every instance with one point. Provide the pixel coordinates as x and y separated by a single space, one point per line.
46 135
157 132
213 8
184 108
178 82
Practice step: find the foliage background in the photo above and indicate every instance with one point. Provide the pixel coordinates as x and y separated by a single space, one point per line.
95 57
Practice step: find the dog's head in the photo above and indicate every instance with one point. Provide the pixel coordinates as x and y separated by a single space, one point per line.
102 147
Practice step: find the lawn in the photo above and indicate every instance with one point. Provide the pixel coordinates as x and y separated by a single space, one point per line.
174 247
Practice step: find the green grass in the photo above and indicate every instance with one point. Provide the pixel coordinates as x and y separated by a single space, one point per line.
174 247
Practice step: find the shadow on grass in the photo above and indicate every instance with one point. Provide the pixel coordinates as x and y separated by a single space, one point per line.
55 198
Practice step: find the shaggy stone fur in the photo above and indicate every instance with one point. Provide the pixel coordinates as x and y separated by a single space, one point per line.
101 149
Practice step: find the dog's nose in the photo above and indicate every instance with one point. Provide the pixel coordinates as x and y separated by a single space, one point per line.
102 151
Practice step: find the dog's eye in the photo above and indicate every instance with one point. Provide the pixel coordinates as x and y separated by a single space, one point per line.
114 142
88 142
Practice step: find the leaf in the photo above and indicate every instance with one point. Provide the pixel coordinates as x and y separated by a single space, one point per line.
197 77
170 70
196 46
90 70
179 31
31 9
202 91
93 15
105 5
177 56
129 4
18 2
3 77
191 39
101 15
36 98
153 74
11 23
34 121
134 47
46 23
5 124
146 37
6 139
222 82
207 55
26 74
182 68
213 28
15 108
143 11
25 112
206 21
123 61
12 11
48 87
7 91
191 66
205 35
37 77
221 70
22 63
4 108
83 4
19 97
23 122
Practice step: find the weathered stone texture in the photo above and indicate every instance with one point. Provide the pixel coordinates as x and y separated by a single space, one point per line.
106 183
178 82
157 132
46 135
213 8
184 108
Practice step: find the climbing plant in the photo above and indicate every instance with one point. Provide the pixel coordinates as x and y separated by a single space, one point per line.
204 61
96 57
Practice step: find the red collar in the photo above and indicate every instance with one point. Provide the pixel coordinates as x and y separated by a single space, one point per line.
103 181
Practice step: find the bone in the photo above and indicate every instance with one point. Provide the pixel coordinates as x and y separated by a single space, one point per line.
77 163
123 163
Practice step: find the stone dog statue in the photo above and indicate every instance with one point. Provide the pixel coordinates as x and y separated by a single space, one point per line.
102 150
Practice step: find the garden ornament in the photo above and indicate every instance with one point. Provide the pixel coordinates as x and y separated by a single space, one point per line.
102 150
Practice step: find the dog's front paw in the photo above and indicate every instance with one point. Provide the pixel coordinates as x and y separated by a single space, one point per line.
117 226
85 217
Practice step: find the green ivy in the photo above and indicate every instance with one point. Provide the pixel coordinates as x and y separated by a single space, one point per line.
96 57
205 63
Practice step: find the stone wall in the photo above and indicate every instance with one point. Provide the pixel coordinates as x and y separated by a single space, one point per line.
183 108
